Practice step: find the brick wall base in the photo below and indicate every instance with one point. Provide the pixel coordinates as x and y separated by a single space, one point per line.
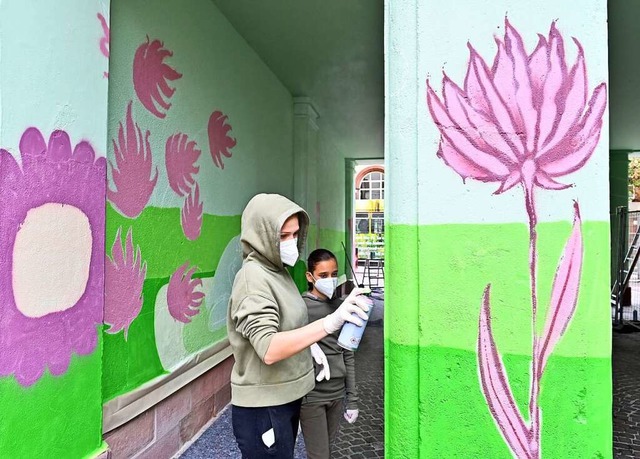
161 431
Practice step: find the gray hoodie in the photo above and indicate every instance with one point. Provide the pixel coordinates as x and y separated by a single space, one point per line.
264 300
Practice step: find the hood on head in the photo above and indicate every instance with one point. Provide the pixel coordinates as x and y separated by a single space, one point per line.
262 220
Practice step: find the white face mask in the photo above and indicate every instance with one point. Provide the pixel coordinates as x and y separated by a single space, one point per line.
326 286
289 251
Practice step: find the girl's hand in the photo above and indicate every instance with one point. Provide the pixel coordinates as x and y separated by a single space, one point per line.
351 415
321 360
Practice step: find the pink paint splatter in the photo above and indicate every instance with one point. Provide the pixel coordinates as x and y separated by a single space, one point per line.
180 158
124 278
182 298
132 173
104 40
524 121
191 216
151 75
219 140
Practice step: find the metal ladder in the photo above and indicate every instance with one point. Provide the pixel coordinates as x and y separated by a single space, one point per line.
625 271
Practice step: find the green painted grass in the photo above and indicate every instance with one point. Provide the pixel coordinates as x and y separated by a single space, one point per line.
453 420
158 233
443 288
59 416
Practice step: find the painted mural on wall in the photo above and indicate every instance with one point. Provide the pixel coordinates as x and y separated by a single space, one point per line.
524 121
157 293
51 248
104 40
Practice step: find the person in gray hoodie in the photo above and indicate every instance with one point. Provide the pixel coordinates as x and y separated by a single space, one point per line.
269 333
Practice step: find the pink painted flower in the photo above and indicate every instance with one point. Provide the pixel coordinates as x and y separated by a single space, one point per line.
51 254
183 299
191 216
124 278
104 40
524 120
180 158
132 173
151 75
219 140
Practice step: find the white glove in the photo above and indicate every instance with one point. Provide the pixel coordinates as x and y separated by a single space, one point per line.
351 415
321 360
355 303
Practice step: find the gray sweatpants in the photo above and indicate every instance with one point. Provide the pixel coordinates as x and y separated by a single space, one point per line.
320 422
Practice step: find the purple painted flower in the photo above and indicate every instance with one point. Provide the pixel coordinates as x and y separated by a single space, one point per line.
191 216
51 254
132 172
219 140
183 299
124 278
151 76
104 40
180 158
524 120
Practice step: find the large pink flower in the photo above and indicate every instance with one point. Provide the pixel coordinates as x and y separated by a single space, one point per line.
180 158
524 120
183 299
124 279
132 173
51 254
191 215
150 76
219 140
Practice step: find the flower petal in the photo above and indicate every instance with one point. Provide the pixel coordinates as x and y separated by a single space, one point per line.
455 137
549 111
483 133
571 154
497 109
544 181
496 388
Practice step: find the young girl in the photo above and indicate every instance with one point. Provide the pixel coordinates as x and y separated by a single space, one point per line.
323 407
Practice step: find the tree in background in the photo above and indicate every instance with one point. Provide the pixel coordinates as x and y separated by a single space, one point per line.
634 180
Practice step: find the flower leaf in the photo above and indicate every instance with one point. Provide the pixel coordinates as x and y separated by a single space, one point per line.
496 389
564 294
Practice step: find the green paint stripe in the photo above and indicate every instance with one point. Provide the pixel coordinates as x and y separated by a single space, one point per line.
453 418
456 262
163 245
59 416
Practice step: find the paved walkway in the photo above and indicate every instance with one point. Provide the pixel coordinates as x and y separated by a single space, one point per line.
626 395
364 439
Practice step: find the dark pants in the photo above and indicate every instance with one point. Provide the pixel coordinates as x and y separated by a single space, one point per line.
320 422
249 425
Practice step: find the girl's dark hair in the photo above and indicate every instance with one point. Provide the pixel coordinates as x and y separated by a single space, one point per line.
316 257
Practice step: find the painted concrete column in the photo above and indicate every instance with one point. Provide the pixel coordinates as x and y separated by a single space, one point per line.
497 330
53 140
305 148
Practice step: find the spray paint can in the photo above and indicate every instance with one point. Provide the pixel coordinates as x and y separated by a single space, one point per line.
351 334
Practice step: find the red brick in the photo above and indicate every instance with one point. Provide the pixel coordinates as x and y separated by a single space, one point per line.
132 437
165 447
172 410
222 398
212 381
198 417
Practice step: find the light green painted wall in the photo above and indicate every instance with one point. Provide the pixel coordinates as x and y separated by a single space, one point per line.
219 72
51 78
447 239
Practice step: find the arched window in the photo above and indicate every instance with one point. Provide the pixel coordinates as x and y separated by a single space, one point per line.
372 186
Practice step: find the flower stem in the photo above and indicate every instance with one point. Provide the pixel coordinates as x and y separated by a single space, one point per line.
534 409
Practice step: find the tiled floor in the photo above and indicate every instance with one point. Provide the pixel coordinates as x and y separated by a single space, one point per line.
364 439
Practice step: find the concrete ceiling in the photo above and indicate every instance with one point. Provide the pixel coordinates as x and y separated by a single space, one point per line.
332 51
329 50
624 74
